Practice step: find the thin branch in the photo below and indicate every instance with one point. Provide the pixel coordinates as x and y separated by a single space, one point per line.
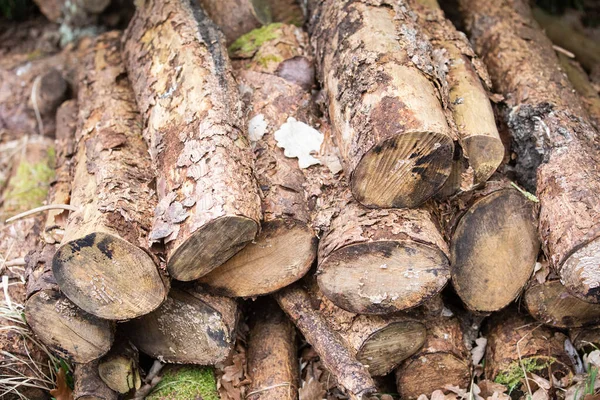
36 210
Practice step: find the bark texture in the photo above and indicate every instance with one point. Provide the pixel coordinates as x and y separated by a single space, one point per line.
286 247
376 66
335 354
551 136
101 265
515 342
494 245
443 360
89 386
585 339
237 17
189 328
119 369
581 82
209 205
467 83
272 358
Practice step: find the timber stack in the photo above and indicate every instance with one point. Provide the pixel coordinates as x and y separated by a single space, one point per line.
284 199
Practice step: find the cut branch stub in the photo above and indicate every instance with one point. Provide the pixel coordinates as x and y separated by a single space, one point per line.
375 64
100 266
209 207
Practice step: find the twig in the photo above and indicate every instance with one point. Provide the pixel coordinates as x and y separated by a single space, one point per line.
38 116
564 51
41 209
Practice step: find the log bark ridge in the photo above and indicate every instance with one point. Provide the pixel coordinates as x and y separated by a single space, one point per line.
551 134
286 247
209 207
375 64
101 265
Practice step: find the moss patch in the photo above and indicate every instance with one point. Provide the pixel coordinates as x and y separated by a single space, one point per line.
247 45
513 375
186 383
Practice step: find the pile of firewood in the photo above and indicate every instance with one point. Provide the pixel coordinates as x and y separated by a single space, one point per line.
347 167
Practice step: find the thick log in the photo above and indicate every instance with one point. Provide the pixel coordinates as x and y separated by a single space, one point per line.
209 205
443 360
467 82
185 382
190 327
101 264
119 369
551 135
494 245
89 386
581 82
375 64
334 352
372 261
550 303
517 344
286 247
272 354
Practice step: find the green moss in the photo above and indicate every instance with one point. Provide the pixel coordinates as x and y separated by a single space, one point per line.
513 375
186 383
248 44
266 60
28 188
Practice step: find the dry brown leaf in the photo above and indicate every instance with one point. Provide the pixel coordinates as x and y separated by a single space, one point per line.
311 388
62 391
489 388
478 351
540 394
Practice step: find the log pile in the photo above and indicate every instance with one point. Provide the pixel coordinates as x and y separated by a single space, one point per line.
301 200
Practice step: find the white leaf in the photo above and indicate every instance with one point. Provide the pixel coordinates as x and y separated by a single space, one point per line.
479 350
299 140
257 127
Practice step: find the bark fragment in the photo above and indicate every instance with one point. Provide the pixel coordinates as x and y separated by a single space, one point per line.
209 206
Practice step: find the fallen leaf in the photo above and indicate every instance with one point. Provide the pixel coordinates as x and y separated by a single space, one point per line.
489 388
479 350
540 394
311 387
541 382
62 391
438 395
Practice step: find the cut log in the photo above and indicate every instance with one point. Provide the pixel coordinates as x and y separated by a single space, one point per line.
286 246
335 354
375 64
516 345
272 354
101 265
119 369
381 343
468 99
89 386
372 261
551 135
190 327
551 304
585 339
237 17
494 245
581 82
186 382
209 205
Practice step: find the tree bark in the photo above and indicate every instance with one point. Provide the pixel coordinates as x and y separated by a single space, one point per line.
551 135
494 245
190 328
581 82
272 354
517 342
375 64
550 303
443 360
77 13
248 15
209 206
467 83
89 386
286 247
585 340
334 352
119 369
101 265
372 261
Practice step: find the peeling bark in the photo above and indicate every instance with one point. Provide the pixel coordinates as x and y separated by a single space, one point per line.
551 135
388 114
443 360
89 386
101 265
286 246
209 206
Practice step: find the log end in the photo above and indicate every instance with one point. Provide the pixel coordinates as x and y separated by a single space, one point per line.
580 273
108 277
403 171
494 249
551 304
66 329
384 276
430 372
281 254
385 349
485 155
210 246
